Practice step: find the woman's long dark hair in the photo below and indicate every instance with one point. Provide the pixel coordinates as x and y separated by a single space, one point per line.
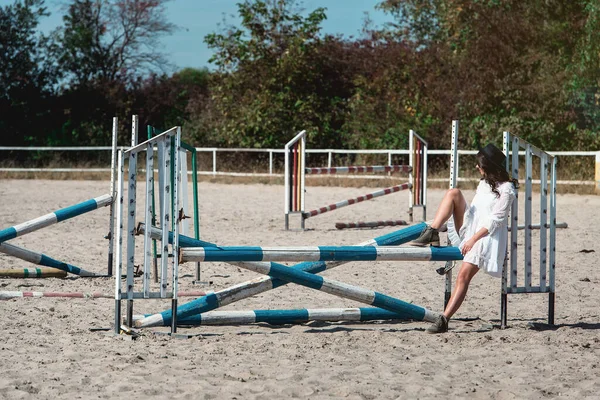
494 174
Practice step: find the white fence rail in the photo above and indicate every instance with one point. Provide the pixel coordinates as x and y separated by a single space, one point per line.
271 152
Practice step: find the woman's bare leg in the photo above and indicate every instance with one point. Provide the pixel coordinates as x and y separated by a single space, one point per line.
453 203
467 272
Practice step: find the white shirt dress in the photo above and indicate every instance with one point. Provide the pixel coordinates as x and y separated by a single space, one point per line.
489 211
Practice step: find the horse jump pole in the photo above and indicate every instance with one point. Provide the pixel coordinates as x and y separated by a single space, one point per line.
285 317
54 217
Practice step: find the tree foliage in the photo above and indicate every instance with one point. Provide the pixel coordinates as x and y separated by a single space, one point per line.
524 66
276 75
112 40
27 74
531 67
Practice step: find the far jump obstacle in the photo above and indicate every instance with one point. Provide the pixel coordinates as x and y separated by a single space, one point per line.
296 171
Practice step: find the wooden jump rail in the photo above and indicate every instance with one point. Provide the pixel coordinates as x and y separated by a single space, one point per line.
370 224
250 288
7 295
359 199
357 169
32 273
61 268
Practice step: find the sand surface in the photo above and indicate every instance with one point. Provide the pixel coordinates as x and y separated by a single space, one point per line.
50 349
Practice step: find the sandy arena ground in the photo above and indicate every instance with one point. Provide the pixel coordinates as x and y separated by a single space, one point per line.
50 351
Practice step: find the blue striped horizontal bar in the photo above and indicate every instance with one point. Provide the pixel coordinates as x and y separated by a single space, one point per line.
319 253
255 286
284 317
54 217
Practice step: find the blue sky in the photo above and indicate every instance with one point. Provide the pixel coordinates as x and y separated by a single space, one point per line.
197 18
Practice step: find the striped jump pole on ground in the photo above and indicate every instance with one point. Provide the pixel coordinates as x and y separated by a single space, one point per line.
285 317
359 199
370 224
32 273
42 259
318 253
54 217
263 284
7 295
356 169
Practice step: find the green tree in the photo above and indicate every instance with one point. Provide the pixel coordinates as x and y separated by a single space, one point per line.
27 73
112 40
164 101
275 77
526 66
105 49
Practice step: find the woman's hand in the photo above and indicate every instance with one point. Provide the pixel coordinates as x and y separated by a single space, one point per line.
467 246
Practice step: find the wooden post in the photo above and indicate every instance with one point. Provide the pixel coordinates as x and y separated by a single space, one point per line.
33 273
598 173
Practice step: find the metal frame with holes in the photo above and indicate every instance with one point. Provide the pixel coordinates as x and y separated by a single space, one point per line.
547 236
167 191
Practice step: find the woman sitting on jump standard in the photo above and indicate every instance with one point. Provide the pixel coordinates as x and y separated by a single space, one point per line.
479 229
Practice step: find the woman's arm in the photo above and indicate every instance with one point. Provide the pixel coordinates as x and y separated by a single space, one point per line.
468 245
500 211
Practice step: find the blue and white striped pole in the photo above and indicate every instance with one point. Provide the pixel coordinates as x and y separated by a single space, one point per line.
42 259
319 253
284 317
255 286
54 217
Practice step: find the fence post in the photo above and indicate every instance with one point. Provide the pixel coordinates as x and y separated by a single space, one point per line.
597 178
214 169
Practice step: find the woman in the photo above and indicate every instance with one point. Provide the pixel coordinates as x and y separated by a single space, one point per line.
480 230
